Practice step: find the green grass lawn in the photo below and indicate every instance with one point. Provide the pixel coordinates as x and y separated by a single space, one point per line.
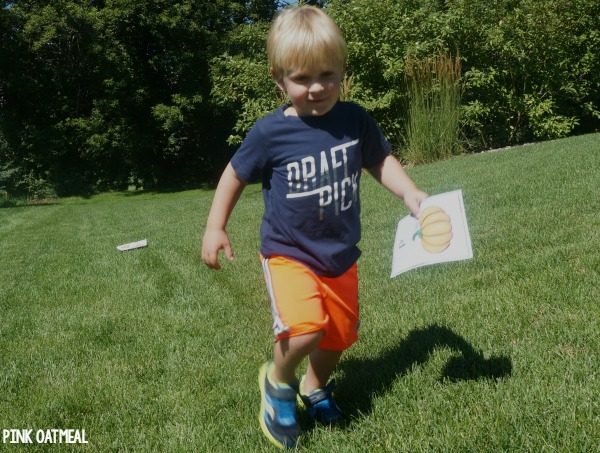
150 350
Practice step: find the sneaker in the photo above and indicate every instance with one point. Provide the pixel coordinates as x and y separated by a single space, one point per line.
321 406
277 416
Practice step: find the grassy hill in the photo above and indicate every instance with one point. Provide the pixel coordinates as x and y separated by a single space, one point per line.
150 350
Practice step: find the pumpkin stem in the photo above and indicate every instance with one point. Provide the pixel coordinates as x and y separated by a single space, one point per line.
418 234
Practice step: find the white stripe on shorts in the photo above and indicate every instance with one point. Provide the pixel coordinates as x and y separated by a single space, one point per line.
278 325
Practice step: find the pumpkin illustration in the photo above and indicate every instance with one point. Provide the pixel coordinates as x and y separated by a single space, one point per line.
436 229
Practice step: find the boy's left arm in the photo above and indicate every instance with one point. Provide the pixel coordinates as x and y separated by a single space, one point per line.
393 177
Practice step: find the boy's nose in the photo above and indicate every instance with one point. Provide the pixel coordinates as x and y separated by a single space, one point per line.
316 87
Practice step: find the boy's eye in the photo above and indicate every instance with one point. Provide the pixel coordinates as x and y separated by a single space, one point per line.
300 78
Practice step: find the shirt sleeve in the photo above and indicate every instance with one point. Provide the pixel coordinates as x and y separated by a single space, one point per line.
375 146
251 157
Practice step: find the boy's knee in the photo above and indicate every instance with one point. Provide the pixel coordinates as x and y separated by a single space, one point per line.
312 338
306 342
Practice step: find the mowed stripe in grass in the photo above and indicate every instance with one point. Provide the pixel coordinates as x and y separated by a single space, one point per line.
149 350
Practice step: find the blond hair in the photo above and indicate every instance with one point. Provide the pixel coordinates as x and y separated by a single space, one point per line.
304 37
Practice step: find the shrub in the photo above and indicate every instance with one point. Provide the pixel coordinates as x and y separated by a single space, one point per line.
241 84
432 122
531 69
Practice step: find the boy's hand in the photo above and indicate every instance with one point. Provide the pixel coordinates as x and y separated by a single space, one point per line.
214 241
412 200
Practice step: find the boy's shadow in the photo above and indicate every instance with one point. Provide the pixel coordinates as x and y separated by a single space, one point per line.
364 379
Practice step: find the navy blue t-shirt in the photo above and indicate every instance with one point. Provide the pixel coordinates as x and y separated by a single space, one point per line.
310 169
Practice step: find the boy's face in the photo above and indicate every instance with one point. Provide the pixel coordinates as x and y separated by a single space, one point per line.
312 91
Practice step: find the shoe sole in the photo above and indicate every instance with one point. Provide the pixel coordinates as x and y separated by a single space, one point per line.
262 376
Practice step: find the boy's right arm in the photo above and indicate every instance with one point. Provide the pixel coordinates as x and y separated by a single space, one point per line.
215 238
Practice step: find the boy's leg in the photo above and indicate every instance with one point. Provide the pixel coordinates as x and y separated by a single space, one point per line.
299 318
321 364
279 386
316 391
277 416
341 304
300 322
289 352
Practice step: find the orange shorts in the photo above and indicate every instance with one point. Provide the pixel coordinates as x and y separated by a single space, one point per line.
303 302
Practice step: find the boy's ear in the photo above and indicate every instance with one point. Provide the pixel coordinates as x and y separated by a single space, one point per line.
277 79
280 85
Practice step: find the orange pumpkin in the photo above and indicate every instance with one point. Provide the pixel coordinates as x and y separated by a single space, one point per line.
436 229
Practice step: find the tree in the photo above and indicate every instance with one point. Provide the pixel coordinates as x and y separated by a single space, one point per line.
531 69
102 94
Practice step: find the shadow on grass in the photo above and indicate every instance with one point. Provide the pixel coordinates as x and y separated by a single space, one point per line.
19 203
167 189
364 379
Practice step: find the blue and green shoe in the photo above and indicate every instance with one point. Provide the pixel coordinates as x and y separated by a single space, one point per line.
278 419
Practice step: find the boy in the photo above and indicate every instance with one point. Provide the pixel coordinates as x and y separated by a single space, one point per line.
309 154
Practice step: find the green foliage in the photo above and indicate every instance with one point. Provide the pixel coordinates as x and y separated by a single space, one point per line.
432 121
531 69
544 122
98 95
534 66
241 83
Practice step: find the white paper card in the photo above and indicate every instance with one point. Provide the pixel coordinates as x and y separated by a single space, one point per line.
133 245
440 235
